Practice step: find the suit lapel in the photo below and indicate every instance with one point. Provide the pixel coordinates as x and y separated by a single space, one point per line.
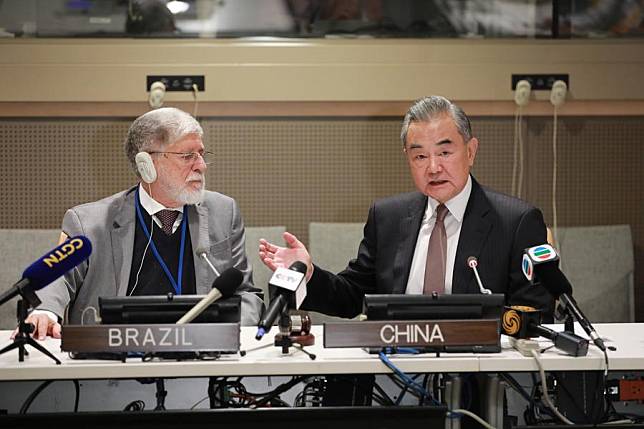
408 234
198 223
474 232
122 241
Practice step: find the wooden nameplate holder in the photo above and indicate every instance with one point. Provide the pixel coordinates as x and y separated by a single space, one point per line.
454 336
153 338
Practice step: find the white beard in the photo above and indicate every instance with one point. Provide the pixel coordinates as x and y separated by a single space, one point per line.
183 194
189 197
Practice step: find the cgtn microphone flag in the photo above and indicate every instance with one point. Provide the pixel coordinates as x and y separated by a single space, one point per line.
58 261
48 268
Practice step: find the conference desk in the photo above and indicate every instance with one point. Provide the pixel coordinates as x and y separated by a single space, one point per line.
628 339
261 359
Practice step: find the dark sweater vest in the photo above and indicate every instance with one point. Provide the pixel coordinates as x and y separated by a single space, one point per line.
152 278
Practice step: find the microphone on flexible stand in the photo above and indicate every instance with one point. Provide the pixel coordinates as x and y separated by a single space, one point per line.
224 286
202 253
472 262
541 262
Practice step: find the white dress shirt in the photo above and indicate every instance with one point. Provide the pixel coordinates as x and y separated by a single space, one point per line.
153 207
453 222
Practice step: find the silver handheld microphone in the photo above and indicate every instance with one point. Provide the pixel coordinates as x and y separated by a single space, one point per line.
472 262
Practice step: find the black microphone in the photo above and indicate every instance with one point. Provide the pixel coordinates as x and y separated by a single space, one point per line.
48 268
541 262
525 322
290 291
224 286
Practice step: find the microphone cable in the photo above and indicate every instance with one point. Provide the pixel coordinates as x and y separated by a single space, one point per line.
97 318
544 389
517 157
521 98
423 393
404 388
30 399
145 251
406 379
555 231
557 99
195 92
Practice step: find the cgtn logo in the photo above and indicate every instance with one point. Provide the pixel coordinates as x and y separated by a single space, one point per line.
62 252
542 253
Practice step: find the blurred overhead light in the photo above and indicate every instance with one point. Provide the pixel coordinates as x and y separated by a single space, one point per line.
176 6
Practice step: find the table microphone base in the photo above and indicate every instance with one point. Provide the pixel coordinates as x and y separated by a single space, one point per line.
23 337
287 341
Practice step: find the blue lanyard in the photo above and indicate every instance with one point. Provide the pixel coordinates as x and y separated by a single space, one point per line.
184 221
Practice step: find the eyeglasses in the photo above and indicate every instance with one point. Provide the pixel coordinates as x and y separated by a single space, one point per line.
189 158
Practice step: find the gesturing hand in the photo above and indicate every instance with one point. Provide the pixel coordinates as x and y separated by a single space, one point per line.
276 256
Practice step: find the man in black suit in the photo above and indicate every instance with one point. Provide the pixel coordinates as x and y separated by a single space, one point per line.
393 255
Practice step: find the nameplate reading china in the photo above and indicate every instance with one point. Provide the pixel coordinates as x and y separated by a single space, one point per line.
438 335
197 337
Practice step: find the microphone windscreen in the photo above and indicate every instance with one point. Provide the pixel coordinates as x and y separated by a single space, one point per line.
57 262
551 278
472 262
517 320
298 266
228 282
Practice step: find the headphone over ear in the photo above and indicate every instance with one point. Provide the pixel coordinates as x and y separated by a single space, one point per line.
145 167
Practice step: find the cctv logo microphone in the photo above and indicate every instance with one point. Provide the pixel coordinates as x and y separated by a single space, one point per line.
290 291
291 280
48 268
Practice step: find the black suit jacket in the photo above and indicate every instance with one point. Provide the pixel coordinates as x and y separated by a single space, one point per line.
496 229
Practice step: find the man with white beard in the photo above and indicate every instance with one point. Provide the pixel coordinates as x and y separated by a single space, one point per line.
147 240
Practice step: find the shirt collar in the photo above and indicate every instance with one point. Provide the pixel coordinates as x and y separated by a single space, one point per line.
151 205
456 205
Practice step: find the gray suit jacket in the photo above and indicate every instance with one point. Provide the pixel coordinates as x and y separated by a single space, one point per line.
215 225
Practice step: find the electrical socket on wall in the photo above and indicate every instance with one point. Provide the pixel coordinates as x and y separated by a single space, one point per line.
540 82
178 82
